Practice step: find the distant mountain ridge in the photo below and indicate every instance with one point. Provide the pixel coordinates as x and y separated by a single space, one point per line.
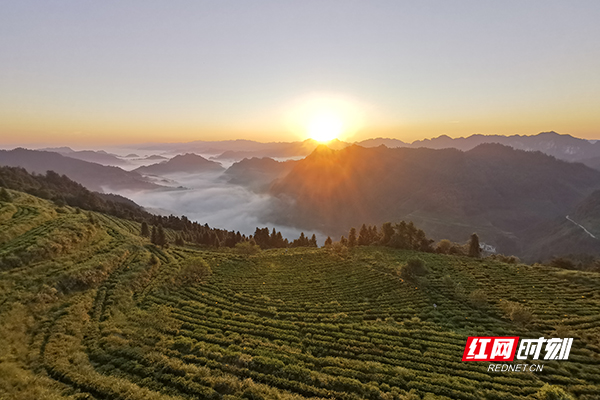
186 163
561 146
95 177
98 157
564 147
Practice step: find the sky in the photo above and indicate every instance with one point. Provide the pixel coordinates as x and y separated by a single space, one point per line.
117 72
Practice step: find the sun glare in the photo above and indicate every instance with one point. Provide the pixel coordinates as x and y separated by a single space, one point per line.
325 127
324 117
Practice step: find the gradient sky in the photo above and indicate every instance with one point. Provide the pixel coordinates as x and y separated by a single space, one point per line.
94 72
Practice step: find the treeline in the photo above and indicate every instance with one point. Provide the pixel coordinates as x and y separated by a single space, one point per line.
65 192
406 236
400 236
275 240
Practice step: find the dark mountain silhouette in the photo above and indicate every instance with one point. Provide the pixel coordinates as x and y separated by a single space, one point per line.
495 190
239 149
592 162
561 146
93 176
98 157
391 143
258 173
187 163
587 213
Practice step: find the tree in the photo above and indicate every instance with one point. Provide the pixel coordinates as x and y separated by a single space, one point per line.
413 268
328 242
161 239
145 231
193 270
5 196
343 241
313 241
444 246
153 236
474 249
179 241
364 236
352 237
388 231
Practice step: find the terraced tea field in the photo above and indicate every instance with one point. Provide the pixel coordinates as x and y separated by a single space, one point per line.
98 312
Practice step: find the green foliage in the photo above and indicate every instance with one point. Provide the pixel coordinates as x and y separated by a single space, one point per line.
549 392
478 298
145 232
5 196
474 248
107 315
517 312
414 267
352 237
192 271
247 248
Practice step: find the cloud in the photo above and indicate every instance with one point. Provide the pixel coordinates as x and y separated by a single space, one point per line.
208 199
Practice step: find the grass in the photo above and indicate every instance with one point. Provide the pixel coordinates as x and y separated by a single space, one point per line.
103 314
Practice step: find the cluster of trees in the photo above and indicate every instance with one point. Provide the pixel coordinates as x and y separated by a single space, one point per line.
304 241
405 235
274 240
401 236
192 232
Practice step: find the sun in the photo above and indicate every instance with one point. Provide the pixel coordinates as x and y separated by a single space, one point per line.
324 127
324 117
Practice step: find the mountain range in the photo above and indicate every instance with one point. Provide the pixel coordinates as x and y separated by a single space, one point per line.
185 163
505 195
93 176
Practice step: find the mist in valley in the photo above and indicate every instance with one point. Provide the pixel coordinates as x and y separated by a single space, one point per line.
209 198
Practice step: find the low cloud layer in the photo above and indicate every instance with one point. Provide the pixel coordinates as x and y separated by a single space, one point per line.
206 198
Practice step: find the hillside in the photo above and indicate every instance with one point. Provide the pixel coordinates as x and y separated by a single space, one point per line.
258 173
93 176
587 213
494 190
186 163
110 316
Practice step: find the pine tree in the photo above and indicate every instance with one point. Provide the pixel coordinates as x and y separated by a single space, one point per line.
313 241
153 237
344 241
179 241
145 231
328 242
352 237
161 239
388 231
363 236
474 249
